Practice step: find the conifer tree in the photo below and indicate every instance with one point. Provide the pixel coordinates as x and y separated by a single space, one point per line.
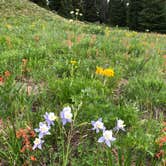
90 10
153 15
134 7
117 12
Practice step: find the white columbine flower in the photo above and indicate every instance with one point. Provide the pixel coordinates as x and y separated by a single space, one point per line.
98 125
50 118
107 138
120 125
43 129
37 143
66 115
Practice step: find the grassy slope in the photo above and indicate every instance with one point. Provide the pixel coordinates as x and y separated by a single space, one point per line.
27 31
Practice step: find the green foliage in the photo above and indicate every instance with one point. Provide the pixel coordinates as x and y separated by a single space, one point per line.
61 59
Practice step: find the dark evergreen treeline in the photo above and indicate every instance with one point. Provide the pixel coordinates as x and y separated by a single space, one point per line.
140 15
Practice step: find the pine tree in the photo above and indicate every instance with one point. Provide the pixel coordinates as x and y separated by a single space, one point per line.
153 16
117 12
134 7
40 2
55 5
102 10
90 10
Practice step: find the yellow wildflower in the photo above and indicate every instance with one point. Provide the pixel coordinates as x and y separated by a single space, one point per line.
99 70
73 62
8 26
107 32
105 72
108 72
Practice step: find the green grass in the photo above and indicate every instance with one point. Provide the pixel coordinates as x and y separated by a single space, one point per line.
49 81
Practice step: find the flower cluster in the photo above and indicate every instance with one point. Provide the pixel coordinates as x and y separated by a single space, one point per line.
44 127
105 72
76 12
26 134
107 136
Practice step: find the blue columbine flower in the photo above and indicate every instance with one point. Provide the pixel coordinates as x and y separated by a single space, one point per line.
50 118
98 125
37 143
66 115
107 137
43 129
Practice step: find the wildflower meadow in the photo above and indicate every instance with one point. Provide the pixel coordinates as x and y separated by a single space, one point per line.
75 93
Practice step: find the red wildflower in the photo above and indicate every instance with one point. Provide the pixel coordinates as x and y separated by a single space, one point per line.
1 79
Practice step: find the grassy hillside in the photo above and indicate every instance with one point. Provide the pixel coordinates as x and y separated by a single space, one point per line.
48 63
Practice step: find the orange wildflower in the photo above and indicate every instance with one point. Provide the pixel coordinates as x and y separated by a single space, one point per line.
33 158
32 133
24 61
164 129
159 154
69 43
162 141
7 73
26 134
164 123
36 38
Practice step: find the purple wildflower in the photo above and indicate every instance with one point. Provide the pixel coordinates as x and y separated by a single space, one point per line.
98 125
66 115
50 118
37 143
43 129
107 138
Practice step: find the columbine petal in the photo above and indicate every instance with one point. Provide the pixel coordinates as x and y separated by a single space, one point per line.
101 139
108 143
